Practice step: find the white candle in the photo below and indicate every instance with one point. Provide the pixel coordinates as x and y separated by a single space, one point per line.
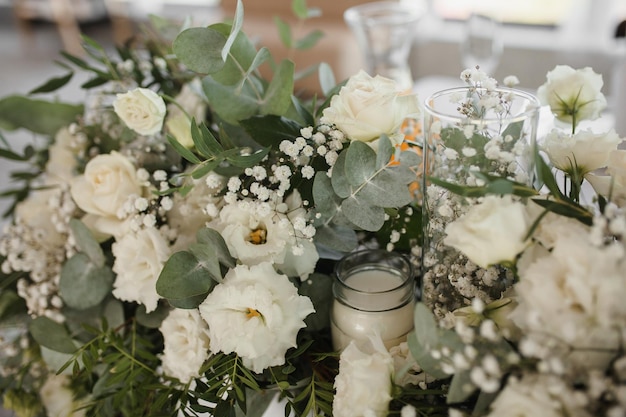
377 304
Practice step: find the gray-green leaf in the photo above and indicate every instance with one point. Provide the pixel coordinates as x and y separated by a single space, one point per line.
83 284
86 242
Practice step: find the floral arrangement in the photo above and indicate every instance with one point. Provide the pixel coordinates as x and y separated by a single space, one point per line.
171 249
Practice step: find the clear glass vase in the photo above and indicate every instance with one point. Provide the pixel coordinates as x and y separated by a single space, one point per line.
384 31
470 134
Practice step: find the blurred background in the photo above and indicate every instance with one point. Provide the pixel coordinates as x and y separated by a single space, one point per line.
528 38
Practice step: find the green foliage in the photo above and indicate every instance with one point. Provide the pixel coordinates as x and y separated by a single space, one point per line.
364 183
38 116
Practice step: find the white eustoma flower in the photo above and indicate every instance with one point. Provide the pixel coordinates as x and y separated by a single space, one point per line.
491 232
256 313
254 234
612 185
186 344
139 259
573 296
571 92
363 385
531 397
141 109
367 107
582 152
108 181
58 398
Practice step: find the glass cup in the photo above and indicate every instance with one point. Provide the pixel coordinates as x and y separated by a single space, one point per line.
384 31
469 130
374 293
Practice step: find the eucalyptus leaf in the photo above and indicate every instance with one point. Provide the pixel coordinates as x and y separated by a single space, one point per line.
386 190
384 152
326 201
83 284
319 288
309 40
277 98
423 357
339 180
37 116
205 39
229 102
363 215
284 32
426 326
300 9
51 334
153 319
461 387
240 58
86 242
327 78
234 31
183 277
360 163
214 239
207 259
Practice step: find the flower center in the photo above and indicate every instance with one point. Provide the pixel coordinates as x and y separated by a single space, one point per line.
251 313
258 236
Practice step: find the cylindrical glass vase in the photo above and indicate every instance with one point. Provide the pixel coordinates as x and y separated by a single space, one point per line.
471 134
374 293
384 31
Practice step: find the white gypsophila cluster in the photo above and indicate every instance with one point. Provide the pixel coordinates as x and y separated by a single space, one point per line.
39 245
450 279
325 142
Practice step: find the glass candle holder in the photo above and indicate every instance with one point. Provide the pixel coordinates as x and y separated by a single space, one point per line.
469 132
374 292
384 31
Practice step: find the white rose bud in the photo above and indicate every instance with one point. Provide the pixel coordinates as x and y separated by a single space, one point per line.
367 107
142 110
491 232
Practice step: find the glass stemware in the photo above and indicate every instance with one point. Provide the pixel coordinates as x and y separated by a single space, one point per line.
482 45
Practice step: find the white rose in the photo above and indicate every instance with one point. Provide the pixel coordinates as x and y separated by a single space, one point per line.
142 110
367 107
531 397
613 184
363 385
568 91
30 212
256 313
186 344
491 232
583 152
58 399
139 259
108 181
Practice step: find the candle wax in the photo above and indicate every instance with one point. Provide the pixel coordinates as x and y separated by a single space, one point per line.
393 320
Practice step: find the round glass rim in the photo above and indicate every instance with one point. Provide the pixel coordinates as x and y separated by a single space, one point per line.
487 120
404 259
402 13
